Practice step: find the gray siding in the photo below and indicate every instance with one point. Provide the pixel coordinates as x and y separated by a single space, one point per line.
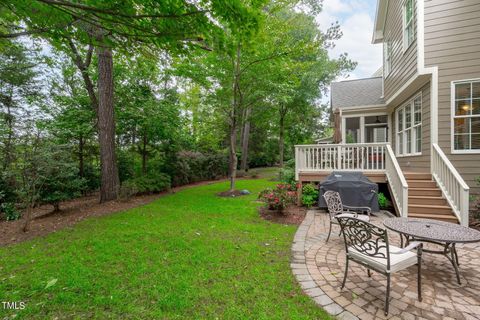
420 163
452 42
404 64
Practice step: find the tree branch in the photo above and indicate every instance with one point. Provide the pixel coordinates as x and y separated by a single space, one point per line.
119 14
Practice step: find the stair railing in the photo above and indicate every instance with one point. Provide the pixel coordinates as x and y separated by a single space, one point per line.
453 187
397 181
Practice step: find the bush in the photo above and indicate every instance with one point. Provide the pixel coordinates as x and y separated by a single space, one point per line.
382 200
150 183
60 180
278 198
287 175
261 159
309 195
11 213
195 166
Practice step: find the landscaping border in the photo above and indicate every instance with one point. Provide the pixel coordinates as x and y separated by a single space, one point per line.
303 266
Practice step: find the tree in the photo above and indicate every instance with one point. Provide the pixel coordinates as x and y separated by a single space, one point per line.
17 88
112 25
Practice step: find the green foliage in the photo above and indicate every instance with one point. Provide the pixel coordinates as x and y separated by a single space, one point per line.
150 183
59 177
309 195
279 197
11 213
196 166
382 200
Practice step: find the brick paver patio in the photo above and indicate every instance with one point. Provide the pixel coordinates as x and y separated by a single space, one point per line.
319 268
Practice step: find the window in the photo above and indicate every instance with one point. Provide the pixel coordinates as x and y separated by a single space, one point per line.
466 117
352 130
376 129
387 58
409 128
408 29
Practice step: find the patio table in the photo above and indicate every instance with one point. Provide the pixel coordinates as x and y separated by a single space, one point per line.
445 234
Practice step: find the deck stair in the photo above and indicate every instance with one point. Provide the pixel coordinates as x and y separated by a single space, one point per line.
425 198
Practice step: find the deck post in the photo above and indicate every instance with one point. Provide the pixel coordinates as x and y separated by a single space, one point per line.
299 192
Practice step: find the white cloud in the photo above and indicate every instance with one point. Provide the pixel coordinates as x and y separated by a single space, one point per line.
356 22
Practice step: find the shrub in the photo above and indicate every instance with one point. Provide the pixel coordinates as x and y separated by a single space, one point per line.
382 200
195 166
59 176
11 213
150 183
278 198
309 195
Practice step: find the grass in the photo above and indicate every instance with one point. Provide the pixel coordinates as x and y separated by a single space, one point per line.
187 255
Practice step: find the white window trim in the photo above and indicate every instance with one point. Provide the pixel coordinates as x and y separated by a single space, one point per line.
452 121
362 125
406 45
387 57
410 104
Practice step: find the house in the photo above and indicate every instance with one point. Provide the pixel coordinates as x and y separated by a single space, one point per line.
415 125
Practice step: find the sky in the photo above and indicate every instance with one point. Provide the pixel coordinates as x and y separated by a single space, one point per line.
356 19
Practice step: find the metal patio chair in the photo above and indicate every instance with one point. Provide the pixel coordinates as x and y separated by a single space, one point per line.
336 208
368 245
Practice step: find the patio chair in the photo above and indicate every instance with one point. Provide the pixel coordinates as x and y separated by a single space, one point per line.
336 208
367 245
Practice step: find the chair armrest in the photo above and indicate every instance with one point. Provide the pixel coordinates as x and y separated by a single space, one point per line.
367 209
411 246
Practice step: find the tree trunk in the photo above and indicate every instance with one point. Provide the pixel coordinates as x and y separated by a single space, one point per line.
245 140
106 126
233 155
144 155
9 117
233 120
281 142
81 165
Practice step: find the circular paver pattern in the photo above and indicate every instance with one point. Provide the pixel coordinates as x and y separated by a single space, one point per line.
319 268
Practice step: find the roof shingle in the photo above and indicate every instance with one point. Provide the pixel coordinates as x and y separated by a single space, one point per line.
357 93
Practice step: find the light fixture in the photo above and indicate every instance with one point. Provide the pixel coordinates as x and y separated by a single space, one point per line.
466 107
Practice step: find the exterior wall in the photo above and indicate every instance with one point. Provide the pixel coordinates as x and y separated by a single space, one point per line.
404 64
418 163
452 42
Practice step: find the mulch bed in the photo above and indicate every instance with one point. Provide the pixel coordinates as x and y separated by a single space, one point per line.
46 221
231 194
291 215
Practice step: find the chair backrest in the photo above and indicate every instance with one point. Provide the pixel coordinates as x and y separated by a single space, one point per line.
334 203
365 238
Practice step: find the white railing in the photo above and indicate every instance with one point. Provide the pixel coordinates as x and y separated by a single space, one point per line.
397 182
453 187
346 157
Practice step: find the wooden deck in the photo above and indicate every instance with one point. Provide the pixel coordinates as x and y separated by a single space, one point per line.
318 176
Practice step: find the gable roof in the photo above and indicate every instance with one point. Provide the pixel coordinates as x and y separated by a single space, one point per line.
357 93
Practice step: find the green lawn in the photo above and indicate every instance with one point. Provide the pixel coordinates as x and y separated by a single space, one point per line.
187 255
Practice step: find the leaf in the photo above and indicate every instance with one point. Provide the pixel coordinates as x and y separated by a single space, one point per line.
51 283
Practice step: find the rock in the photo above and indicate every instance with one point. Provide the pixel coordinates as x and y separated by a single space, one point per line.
245 192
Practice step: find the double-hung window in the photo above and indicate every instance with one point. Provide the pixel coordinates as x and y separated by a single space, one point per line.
408 23
409 128
466 116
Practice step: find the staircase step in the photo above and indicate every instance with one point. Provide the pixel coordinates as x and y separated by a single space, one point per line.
427 200
421 184
432 209
441 217
417 176
435 192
